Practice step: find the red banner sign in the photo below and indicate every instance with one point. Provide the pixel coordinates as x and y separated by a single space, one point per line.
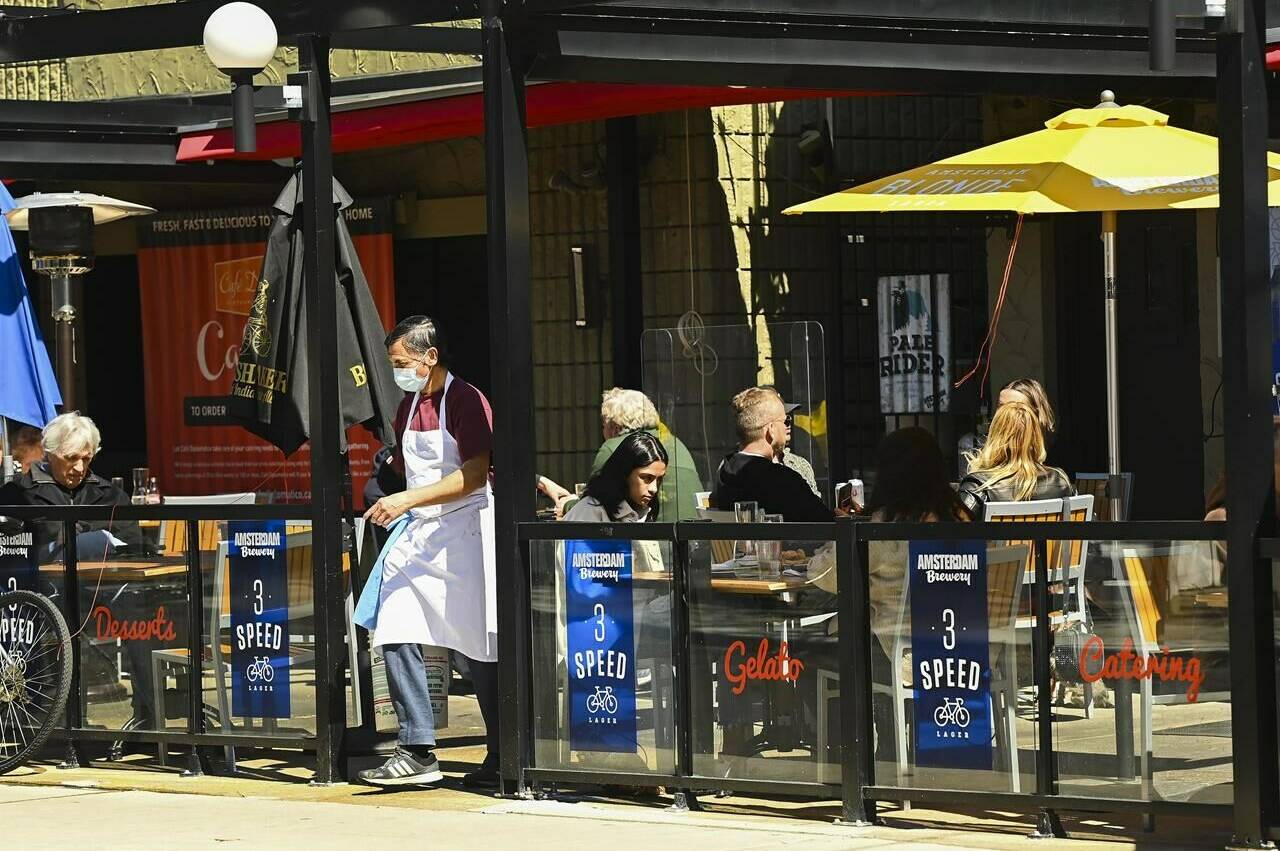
198 271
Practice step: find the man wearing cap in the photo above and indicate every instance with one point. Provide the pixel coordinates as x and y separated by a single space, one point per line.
753 474
793 461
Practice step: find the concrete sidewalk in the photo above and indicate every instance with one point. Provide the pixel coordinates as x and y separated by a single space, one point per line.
70 817
142 808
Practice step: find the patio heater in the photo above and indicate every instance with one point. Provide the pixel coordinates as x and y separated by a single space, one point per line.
60 228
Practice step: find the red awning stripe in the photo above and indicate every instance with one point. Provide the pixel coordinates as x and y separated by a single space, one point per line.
463 115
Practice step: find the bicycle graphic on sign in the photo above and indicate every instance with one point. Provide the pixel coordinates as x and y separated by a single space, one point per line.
602 700
951 711
260 670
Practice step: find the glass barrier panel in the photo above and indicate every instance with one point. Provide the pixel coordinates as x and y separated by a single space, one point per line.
692 374
133 605
1141 689
258 671
951 668
603 675
765 675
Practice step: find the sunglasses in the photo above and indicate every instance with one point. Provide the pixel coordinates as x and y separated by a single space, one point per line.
790 420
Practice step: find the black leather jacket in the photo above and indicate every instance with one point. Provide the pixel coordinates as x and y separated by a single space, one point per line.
1051 483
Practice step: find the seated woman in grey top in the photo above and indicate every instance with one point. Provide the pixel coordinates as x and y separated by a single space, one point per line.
1010 466
626 488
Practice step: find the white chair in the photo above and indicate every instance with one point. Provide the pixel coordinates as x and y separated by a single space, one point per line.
1066 563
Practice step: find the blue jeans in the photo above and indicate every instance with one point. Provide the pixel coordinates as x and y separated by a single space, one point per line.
407 682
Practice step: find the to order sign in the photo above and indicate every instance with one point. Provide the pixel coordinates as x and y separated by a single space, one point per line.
601 644
950 656
259 620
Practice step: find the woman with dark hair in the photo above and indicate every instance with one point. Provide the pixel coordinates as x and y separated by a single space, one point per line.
911 482
626 488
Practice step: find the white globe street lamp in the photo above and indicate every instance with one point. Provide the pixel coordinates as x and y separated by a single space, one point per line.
240 39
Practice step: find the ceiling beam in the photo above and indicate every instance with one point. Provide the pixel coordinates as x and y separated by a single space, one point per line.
411 40
169 25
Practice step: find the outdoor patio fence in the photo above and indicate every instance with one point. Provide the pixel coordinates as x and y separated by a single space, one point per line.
699 662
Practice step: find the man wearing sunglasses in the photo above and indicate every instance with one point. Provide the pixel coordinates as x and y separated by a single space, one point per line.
754 474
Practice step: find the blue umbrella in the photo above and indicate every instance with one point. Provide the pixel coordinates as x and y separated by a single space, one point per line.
28 387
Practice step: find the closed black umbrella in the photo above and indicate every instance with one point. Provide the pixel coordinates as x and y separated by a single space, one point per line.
270 394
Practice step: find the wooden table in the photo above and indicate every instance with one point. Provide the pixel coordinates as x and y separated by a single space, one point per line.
125 571
734 584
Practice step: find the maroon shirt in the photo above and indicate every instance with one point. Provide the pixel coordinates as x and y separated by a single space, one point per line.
468 419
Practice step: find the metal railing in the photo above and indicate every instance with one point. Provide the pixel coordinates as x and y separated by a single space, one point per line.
859 788
195 735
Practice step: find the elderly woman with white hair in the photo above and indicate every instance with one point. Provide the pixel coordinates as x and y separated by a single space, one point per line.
64 477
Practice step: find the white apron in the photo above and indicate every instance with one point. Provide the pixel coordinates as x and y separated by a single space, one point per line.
438 579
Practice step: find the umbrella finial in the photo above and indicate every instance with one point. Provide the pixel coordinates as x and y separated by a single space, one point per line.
1108 99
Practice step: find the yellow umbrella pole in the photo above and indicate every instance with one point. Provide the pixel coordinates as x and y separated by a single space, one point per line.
1114 485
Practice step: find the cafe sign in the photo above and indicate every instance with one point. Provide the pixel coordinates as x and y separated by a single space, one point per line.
915 343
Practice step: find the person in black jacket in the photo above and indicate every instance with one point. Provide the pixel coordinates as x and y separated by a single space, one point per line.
64 478
754 474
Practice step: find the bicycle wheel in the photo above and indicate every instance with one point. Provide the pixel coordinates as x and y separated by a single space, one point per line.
35 674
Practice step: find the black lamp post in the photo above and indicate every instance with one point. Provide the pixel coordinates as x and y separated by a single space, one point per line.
240 39
60 226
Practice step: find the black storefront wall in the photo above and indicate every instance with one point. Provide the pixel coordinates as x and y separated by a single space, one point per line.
1159 358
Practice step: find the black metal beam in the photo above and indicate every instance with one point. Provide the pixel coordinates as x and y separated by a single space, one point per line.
511 330
411 40
142 114
698 53
168 25
320 276
1243 235
1054 13
626 302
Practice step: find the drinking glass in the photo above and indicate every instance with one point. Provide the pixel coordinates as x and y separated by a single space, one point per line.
580 490
747 511
770 552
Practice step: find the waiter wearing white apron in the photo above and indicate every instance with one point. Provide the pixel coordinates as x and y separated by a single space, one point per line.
437 577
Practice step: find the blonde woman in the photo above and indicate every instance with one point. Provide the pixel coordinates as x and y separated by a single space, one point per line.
1010 466
1031 392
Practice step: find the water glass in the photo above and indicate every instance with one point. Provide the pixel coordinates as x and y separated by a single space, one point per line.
770 552
746 512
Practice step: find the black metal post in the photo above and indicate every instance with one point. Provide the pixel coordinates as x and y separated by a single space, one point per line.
1246 338
511 329
1048 824
319 273
626 302
683 660
195 650
71 609
857 719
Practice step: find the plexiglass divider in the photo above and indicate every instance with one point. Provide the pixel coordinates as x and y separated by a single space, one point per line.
692 374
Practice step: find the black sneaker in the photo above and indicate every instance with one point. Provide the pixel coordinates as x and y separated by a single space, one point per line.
404 769
486 776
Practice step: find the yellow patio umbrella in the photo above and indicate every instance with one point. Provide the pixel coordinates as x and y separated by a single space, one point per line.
1106 159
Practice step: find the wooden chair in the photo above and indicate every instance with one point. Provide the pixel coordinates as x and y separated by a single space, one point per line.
1145 588
1095 485
173 533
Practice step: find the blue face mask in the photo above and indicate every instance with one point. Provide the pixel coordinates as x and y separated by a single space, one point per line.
407 379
